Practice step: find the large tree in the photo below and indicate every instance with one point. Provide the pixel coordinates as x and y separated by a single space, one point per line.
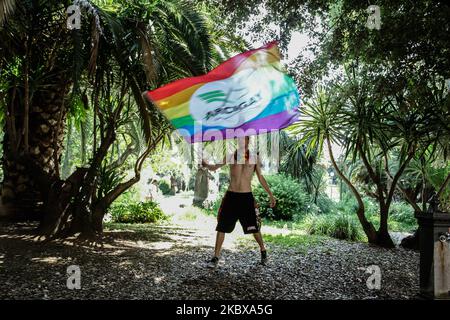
122 49
413 36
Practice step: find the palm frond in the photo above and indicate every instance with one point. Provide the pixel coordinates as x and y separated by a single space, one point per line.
7 8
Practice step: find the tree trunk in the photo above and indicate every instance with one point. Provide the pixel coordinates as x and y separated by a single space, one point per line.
316 194
101 205
383 237
58 203
82 214
443 186
21 198
173 185
83 141
66 164
97 219
368 227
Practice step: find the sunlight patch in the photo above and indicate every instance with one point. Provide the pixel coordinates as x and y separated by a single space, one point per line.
47 259
159 245
158 280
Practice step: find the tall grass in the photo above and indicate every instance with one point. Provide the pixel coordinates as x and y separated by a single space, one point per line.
339 225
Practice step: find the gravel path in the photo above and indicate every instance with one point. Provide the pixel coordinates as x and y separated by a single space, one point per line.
167 262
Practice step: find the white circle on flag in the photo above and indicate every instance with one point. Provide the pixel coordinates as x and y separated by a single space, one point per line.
233 101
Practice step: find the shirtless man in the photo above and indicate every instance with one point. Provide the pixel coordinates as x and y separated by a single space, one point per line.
238 202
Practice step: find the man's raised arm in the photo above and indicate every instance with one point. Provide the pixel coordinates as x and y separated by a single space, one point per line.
213 167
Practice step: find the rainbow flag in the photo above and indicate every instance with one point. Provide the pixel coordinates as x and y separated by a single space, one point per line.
246 95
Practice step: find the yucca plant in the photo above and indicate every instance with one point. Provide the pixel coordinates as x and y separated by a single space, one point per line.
380 128
320 125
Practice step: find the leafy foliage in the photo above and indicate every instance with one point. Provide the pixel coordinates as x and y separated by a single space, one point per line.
292 200
165 188
401 217
401 214
108 180
301 163
138 212
411 36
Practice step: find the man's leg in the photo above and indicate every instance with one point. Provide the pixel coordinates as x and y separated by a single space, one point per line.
259 239
219 241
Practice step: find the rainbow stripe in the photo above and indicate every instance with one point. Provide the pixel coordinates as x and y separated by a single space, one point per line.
249 92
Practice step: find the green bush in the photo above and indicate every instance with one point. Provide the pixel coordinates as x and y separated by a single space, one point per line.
325 204
311 208
165 188
137 212
213 208
224 180
349 205
402 212
340 226
292 200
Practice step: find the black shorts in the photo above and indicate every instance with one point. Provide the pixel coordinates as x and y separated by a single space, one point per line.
238 206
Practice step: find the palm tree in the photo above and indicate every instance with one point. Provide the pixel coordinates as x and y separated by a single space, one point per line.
122 49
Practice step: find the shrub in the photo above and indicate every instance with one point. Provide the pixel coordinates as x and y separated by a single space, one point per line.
325 204
311 208
165 187
291 198
401 214
224 180
340 226
401 217
301 242
213 207
137 212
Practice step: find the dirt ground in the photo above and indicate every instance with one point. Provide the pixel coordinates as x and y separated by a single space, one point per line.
168 262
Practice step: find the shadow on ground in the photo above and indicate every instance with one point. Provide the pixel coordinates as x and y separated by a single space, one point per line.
168 262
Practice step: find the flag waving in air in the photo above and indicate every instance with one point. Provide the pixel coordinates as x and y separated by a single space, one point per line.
247 94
